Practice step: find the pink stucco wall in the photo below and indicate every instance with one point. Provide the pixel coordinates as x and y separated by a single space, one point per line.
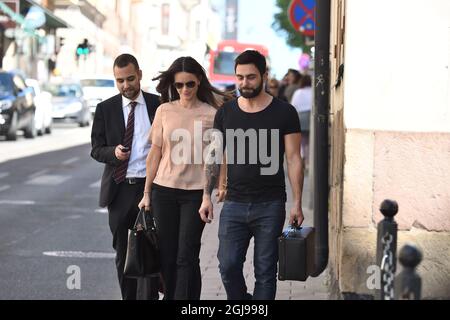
414 170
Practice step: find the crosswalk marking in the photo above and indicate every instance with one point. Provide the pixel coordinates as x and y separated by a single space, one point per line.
4 174
70 161
39 173
48 180
80 254
3 188
95 184
18 202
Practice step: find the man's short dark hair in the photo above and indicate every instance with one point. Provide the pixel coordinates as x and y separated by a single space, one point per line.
124 60
252 57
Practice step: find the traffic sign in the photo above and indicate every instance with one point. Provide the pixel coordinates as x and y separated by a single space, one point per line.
301 16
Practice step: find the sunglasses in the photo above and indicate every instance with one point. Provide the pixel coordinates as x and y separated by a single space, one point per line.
189 84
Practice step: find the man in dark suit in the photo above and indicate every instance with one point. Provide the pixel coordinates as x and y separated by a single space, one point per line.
120 140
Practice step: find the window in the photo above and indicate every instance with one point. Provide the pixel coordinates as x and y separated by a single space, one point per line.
19 83
97 83
165 19
224 63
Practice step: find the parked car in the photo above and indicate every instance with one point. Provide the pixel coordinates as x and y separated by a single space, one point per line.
43 101
17 107
98 89
69 103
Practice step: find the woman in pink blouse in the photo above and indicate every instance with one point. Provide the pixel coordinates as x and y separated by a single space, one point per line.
174 184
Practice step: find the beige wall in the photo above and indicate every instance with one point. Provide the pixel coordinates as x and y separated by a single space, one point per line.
390 137
397 65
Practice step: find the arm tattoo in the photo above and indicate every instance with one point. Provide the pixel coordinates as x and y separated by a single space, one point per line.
212 172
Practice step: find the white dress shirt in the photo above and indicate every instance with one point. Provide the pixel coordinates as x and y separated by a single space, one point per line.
140 146
302 99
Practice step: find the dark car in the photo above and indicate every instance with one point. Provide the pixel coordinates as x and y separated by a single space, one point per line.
16 106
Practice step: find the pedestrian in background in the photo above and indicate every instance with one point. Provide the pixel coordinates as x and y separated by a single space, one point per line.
302 100
174 185
119 140
293 78
282 87
255 200
273 87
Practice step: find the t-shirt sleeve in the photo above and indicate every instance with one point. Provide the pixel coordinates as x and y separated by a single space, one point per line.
156 132
292 121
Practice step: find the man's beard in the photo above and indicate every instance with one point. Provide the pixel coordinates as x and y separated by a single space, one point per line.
251 93
130 94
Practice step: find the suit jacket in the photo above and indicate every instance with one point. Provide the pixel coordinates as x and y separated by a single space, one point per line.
108 131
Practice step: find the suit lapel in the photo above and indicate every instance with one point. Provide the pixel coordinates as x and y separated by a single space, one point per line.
148 102
118 114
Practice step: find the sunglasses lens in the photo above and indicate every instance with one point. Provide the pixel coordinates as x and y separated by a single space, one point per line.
180 85
190 84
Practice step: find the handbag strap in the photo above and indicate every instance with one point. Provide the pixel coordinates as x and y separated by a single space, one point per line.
141 220
140 223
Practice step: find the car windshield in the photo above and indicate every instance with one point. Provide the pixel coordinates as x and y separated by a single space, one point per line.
6 86
64 90
97 83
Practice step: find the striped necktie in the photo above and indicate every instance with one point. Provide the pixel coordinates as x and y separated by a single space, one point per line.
121 171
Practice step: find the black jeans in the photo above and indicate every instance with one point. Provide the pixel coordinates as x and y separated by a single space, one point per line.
125 206
180 230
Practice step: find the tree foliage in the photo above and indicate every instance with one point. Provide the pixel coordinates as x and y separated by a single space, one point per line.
283 26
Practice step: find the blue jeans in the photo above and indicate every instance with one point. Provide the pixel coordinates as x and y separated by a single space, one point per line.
239 222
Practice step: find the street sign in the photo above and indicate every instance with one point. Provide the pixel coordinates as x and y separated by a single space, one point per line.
301 16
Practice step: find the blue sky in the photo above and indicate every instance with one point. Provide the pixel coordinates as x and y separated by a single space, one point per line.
255 26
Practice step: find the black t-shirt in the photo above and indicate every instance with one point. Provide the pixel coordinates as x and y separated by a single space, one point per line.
254 173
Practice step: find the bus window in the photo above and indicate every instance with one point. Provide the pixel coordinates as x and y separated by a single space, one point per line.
224 63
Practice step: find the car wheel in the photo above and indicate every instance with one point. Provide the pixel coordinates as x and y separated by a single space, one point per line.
30 131
48 130
11 136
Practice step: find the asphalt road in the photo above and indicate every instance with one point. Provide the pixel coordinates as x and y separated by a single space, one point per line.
55 243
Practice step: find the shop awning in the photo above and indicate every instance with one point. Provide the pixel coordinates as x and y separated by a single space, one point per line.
52 21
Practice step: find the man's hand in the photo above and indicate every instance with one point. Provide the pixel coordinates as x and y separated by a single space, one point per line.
296 217
145 202
122 156
206 210
221 194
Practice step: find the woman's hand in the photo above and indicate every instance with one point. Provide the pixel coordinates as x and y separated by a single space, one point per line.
145 202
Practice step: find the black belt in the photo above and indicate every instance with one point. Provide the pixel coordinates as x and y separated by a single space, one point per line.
134 180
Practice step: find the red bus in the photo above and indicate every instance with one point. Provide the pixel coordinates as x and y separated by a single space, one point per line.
221 63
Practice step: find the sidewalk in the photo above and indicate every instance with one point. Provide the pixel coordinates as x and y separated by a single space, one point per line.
212 288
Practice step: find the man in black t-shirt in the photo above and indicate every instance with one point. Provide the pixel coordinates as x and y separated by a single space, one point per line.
256 130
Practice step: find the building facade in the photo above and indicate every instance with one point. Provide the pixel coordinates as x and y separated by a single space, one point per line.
390 137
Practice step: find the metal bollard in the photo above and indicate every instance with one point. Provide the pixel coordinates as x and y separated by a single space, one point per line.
408 284
386 249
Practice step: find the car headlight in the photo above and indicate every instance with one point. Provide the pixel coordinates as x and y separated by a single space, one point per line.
75 106
93 102
5 104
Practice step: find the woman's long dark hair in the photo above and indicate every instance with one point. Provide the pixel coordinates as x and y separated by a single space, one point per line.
206 92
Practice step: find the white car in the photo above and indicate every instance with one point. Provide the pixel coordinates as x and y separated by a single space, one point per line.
96 90
43 101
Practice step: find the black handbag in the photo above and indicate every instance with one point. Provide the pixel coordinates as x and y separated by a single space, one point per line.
143 257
